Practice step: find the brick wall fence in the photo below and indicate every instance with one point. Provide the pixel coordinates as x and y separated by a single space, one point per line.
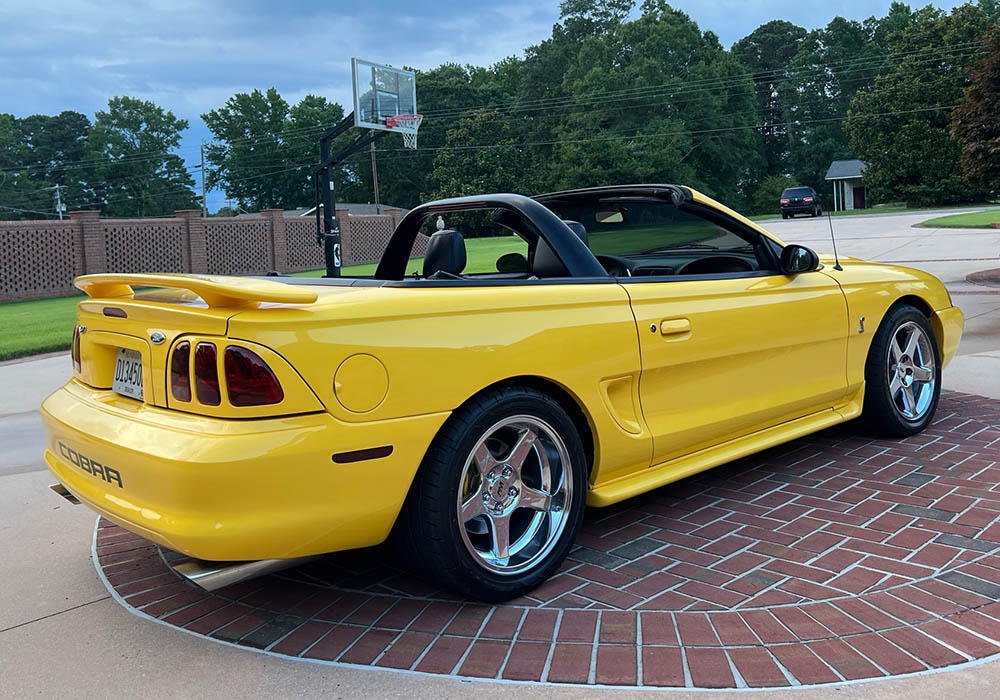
41 258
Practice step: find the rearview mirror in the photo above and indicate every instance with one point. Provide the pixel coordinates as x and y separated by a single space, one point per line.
609 217
796 259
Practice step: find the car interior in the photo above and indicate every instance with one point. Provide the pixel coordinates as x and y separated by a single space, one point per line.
633 237
630 236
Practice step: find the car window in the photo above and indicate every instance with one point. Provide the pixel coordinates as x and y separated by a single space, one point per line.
797 192
637 229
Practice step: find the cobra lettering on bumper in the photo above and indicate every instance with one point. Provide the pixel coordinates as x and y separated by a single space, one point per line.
91 466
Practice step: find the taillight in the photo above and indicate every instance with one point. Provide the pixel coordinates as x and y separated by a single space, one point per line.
180 378
76 348
249 381
206 375
784 201
807 199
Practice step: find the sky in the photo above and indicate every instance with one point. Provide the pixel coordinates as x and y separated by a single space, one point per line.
189 56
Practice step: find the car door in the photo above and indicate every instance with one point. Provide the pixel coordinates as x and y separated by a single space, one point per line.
728 354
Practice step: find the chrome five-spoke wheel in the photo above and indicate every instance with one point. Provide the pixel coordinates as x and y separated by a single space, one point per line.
514 489
500 495
902 374
911 371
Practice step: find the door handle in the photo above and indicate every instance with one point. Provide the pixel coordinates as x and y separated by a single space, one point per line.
675 326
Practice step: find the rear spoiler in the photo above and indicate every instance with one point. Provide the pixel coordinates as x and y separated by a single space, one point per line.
215 291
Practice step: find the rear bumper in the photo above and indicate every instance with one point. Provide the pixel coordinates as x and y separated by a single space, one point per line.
798 209
948 325
229 490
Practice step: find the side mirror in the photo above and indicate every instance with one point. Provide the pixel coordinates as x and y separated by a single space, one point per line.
796 259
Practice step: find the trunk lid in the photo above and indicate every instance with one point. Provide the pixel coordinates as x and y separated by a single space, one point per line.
116 317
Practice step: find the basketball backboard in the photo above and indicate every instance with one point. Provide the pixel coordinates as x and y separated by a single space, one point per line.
382 93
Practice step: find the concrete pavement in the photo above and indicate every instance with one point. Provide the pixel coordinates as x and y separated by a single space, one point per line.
61 634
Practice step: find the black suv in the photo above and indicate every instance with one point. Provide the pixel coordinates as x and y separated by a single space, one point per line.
800 200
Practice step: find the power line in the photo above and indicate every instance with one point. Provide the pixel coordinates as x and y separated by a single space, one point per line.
627 137
27 211
686 87
706 83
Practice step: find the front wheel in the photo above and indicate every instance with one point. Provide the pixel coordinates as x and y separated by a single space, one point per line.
500 496
902 374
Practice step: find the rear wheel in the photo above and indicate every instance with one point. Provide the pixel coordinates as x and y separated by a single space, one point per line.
499 498
902 374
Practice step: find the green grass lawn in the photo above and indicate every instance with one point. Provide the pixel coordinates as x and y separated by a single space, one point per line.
868 212
33 327
976 219
482 254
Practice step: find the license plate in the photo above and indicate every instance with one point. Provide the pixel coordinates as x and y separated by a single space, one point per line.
128 374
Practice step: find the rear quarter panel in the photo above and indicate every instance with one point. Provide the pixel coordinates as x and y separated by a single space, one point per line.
440 346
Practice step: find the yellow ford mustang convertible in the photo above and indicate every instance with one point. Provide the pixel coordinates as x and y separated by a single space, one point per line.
632 336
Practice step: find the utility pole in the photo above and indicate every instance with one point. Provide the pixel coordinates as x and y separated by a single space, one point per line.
204 205
378 210
60 207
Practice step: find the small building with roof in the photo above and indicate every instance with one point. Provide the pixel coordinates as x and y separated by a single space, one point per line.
849 190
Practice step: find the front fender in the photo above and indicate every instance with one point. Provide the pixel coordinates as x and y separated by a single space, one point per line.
870 289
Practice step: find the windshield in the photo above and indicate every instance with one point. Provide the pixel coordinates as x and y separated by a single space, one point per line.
797 192
628 228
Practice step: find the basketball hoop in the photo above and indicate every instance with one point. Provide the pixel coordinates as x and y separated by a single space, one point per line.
406 125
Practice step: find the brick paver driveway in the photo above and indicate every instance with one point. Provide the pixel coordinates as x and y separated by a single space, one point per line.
835 557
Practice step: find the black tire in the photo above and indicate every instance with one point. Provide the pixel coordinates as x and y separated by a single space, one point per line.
882 412
784 216
429 533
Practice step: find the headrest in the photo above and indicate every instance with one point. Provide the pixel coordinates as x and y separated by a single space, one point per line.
445 253
579 229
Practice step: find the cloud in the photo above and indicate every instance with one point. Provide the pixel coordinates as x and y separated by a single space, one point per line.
189 56
192 55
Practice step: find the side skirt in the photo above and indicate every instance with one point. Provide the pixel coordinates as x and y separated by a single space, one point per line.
681 467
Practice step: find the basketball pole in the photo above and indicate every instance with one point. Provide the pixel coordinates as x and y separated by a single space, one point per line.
378 210
327 229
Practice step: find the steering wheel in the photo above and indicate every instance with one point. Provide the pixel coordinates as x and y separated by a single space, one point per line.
615 267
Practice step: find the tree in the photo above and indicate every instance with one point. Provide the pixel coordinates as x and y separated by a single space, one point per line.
766 53
248 155
767 194
38 152
448 93
500 167
991 8
975 123
900 125
681 130
135 173
17 193
593 17
831 65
